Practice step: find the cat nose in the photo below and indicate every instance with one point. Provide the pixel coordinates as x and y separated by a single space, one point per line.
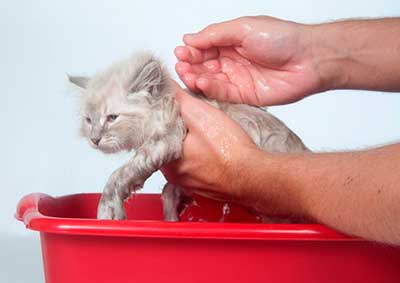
95 141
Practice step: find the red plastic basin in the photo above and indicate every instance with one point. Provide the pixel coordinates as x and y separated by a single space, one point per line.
78 248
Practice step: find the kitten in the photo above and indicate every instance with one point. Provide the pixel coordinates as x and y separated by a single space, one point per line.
131 106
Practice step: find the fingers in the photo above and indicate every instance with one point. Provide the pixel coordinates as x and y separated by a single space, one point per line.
189 74
217 35
209 67
193 55
185 72
209 124
193 109
189 79
177 88
223 80
213 85
219 90
197 114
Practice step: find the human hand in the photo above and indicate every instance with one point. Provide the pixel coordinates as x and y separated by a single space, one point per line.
213 151
253 60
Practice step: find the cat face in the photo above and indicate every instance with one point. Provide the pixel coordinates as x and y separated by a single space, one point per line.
111 122
118 105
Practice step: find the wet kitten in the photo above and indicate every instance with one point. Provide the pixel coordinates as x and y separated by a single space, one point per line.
131 106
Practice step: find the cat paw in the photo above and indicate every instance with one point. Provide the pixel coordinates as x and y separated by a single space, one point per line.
111 210
171 218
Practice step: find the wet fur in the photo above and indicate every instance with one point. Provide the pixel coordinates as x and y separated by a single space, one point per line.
149 125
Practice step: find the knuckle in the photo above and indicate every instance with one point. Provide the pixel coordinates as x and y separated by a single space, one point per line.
210 29
212 26
245 18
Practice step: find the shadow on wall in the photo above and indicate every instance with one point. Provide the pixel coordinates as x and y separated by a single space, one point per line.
20 259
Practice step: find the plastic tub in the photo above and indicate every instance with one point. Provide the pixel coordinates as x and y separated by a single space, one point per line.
78 248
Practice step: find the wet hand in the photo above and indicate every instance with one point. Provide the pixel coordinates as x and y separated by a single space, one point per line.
253 60
212 151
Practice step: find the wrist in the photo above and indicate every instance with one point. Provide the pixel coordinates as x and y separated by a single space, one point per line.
331 55
269 183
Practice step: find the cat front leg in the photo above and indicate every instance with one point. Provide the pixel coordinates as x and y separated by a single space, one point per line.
132 176
111 205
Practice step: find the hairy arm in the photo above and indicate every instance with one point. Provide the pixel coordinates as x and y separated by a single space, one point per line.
268 61
358 54
355 192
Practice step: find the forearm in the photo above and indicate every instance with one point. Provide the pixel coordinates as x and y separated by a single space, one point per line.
358 54
355 192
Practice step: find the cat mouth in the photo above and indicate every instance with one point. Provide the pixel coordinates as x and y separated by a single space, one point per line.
110 147
107 145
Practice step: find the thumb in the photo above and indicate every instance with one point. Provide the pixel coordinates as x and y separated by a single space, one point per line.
218 35
207 120
196 113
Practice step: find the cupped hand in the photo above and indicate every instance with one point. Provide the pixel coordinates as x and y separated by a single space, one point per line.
213 150
253 60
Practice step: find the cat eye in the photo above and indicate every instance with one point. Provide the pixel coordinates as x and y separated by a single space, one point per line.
112 118
88 120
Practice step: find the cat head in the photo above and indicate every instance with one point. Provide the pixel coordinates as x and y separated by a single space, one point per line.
118 105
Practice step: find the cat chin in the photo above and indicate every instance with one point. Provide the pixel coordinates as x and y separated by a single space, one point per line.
109 150
112 149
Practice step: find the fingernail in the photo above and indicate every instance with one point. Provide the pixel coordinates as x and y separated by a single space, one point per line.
181 67
180 52
189 36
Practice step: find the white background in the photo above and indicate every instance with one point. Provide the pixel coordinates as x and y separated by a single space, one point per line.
41 41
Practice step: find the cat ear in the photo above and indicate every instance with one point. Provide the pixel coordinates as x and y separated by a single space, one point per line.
150 78
80 82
